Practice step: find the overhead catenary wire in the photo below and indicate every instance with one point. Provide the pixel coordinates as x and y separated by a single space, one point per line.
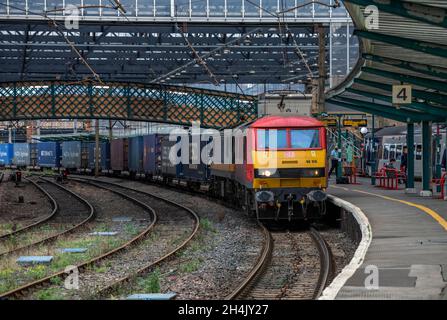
205 56
278 16
197 57
64 36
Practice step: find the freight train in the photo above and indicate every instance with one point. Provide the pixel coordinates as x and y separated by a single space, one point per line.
274 168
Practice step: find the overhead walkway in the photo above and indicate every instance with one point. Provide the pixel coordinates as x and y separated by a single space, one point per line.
408 46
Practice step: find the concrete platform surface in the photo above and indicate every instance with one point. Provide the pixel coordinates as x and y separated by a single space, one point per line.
407 257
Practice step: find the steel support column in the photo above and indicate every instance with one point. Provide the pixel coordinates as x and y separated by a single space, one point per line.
445 150
438 168
373 152
426 159
97 148
339 172
410 158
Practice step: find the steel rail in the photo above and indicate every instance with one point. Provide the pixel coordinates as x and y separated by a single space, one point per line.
44 219
146 268
326 262
17 292
259 268
65 232
326 266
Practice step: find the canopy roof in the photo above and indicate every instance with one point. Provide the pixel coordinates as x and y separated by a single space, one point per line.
408 47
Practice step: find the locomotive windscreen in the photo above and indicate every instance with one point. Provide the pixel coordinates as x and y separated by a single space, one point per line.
288 139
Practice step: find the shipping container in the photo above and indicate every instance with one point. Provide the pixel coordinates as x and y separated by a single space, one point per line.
195 170
49 154
119 155
25 155
152 154
135 156
104 155
74 155
168 169
6 154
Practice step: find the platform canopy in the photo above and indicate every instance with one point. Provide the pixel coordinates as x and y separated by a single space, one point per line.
408 47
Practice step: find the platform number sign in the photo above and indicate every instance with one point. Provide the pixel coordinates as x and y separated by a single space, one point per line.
402 94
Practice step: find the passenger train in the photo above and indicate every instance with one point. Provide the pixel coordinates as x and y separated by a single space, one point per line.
390 143
277 168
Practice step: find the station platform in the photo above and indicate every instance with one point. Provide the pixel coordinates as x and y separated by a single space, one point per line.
408 246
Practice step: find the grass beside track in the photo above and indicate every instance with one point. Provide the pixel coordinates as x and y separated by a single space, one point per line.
13 275
187 261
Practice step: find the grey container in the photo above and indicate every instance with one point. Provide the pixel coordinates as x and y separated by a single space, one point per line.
168 169
25 155
74 155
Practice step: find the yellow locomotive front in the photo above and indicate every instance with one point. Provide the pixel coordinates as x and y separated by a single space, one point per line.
288 157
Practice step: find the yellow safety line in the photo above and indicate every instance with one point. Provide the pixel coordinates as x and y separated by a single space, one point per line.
429 211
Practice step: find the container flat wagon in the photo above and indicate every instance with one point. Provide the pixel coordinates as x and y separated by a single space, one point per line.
135 155
49 155
6 154
152 154
25 156
74 155
104 156
119 155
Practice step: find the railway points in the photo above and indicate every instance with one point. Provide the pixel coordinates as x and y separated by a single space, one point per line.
186 150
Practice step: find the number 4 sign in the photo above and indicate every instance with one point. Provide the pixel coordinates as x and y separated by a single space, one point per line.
402 94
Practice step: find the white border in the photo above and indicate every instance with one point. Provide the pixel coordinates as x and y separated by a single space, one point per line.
332 290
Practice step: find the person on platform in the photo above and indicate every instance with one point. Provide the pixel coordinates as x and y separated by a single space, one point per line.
444 160
349 155
334 161
404 160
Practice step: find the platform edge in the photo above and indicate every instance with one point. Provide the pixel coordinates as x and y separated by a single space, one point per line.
331 291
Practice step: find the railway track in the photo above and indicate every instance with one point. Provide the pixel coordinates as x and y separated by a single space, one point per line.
172 224
25 290
28 288
70 215
292 265
11 234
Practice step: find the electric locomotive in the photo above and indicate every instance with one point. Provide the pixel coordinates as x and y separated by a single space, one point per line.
282 174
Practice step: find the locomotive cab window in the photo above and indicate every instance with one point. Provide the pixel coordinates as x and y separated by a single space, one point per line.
288 139
266 139
304 139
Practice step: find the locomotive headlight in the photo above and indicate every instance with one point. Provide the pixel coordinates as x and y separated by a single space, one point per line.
265 173
316 172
